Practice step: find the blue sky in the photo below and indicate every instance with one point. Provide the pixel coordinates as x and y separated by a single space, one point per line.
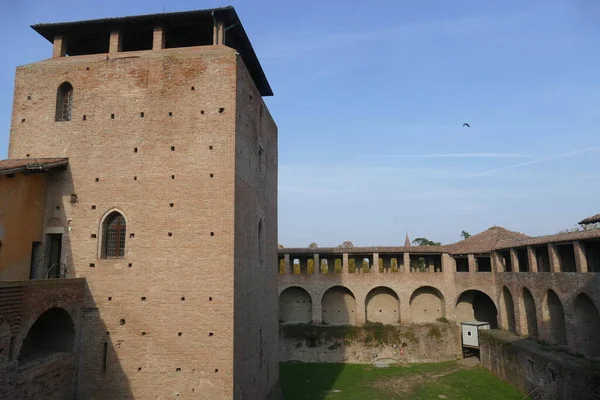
370 98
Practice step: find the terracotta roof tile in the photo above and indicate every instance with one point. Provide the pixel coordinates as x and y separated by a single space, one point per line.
32 164
485 241
590 220
561 237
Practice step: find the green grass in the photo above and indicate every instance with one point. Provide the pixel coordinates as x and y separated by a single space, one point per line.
301 381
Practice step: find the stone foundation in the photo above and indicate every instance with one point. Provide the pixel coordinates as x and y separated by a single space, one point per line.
366 344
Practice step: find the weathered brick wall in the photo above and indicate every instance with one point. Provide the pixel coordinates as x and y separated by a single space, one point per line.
416 343
566 286
543 372
405 285
165 312
50 377
255 340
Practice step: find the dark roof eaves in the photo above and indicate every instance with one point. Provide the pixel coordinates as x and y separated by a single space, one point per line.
551 239
228 13
45 167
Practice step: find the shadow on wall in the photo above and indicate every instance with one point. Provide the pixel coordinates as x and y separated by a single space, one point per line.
474 305
336 307
100 373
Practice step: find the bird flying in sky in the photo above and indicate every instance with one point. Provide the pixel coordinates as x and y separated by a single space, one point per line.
467 125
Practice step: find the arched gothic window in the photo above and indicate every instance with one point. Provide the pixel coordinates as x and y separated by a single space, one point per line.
64 102
115 228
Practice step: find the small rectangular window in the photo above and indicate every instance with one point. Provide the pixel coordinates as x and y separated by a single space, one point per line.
261 161
104 357
11 348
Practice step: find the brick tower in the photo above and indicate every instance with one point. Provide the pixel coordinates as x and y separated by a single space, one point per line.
168 204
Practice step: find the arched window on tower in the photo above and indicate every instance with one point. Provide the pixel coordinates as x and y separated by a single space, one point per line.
64 102
114 231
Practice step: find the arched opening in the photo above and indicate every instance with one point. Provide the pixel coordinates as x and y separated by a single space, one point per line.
509 309
64 102
53 332
587 326
338 306
383 305
529 320
474 305
114 229
261 244
554 316
427 304
295 305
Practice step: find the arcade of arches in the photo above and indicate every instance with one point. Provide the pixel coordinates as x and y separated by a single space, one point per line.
526 313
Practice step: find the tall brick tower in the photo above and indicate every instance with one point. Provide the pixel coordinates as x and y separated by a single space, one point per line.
168 204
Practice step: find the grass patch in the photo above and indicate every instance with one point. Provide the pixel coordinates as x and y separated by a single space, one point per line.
302 381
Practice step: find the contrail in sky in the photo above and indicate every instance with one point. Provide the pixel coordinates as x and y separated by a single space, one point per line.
541 160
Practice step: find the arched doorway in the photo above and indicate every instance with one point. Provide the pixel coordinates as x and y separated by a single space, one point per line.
427 304
338 306
587 326
295 305
509 309
474 305
554 314
53 332
382 305
529 325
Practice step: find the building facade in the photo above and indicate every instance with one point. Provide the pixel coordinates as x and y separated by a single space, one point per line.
167 206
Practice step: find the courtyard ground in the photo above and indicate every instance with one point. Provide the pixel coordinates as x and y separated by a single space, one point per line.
454 380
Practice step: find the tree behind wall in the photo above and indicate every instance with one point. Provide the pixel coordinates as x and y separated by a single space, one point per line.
425 242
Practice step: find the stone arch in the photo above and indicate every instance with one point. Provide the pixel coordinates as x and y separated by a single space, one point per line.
587 326
338 306
427 304
509 309
382 304
52 332
295 305
54 222
476 305
554 317
528 318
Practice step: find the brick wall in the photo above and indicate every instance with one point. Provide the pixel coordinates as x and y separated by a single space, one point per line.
51 375
255 347
543 372
163 316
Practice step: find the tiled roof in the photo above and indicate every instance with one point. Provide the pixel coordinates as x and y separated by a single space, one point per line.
590 220
30 164
561 237
364 250
495 238
485 241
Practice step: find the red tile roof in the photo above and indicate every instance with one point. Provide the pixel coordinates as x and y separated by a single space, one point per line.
590 220
485 241
30 164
